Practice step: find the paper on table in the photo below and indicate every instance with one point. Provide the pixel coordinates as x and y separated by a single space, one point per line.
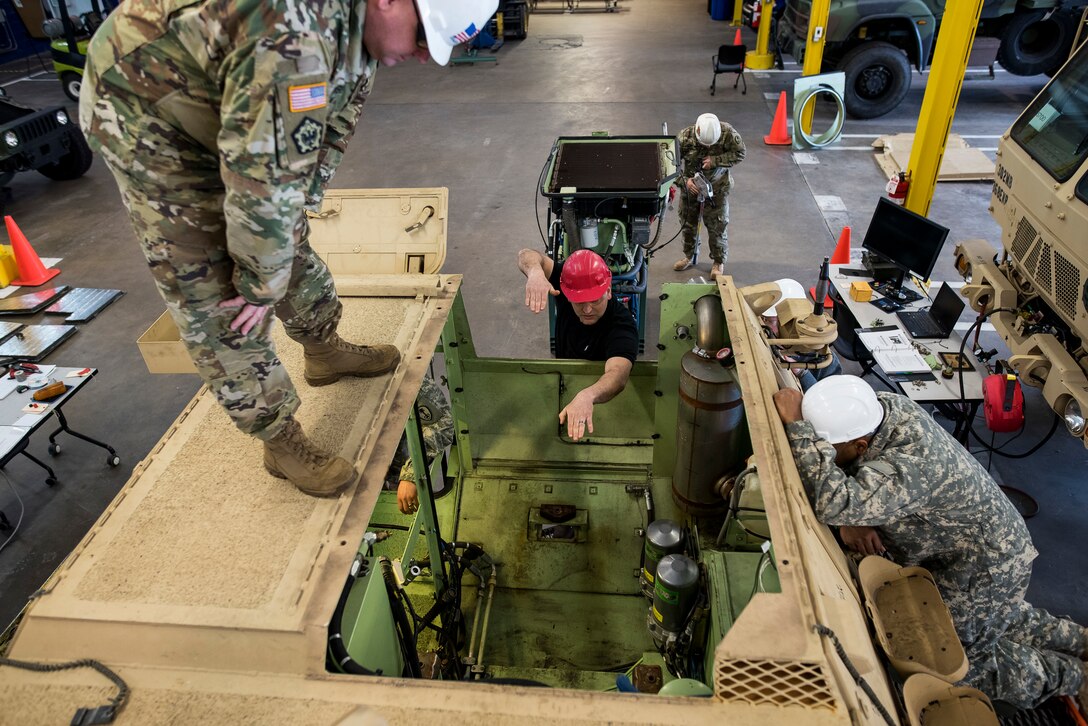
893 351
9 437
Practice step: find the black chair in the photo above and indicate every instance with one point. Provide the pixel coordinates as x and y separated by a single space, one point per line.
730 59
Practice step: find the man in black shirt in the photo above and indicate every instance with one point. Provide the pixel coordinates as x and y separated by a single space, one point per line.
588 324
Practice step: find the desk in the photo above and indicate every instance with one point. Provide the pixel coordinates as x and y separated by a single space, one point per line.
14 439
940 391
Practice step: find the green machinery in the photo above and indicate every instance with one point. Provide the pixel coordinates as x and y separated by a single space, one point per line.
530 567
607 194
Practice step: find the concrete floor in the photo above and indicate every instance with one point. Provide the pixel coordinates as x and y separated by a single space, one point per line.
484 131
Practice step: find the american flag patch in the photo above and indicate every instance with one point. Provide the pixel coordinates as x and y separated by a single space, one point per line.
465 35
307 98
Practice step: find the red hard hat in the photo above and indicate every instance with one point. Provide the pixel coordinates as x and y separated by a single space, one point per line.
585 277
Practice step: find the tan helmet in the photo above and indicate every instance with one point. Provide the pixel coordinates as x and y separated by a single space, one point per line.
448 23
708 129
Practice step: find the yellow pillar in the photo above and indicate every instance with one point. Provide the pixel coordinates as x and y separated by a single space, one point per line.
814 51
759 59
939 104
738 11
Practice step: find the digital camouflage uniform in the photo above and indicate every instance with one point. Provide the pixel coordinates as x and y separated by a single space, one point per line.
727 151
221 121
935 506
437 423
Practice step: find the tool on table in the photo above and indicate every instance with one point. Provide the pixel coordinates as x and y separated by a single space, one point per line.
49 392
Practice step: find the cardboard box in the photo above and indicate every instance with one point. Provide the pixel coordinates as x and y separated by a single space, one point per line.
860 292
162 348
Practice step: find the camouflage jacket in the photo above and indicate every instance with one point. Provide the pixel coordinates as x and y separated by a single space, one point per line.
727 151
437 423
269 92
932 502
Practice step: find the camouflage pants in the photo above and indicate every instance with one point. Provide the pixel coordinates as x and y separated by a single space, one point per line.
1019 654
177 213
716 218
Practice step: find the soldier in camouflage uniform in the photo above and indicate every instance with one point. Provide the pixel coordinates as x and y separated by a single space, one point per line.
438 433
909 488
222 122
710 148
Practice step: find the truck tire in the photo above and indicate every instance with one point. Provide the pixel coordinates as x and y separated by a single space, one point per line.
72 165
877 79
1031 45
523 26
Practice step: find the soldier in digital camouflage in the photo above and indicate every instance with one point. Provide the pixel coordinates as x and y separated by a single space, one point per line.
880 468
710 149
436 421
222 122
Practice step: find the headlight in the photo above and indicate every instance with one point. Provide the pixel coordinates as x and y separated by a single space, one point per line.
11 139
61 117
1074 418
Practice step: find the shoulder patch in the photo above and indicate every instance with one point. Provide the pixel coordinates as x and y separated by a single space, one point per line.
425 414
307 98
307 135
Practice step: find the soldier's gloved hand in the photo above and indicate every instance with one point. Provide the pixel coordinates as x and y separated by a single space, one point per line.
407 497
692 189
249 317
537 290
865 540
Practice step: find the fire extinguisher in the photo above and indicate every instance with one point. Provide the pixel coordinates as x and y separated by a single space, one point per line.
897 188
757 11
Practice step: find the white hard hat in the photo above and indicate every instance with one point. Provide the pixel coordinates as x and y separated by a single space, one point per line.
791 290
448 23
708 129
842 408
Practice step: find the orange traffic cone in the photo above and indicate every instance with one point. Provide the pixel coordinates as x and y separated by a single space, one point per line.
31 270
842 249
779 135
736 38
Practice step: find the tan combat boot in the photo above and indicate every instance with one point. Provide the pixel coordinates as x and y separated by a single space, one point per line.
329 362
292 456
716 270
682 264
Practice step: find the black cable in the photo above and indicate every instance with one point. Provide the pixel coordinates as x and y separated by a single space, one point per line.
655 250
406 634
22 511
100 714
338 652
1021 455
539 186
963 397
861 682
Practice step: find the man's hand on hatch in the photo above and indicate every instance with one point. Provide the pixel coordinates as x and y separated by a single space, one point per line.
578 416
249 317
865 540
788 403
537 290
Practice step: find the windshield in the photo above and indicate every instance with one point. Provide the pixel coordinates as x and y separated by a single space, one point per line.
1054 129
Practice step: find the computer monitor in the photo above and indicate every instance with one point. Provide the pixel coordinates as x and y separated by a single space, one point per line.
907 240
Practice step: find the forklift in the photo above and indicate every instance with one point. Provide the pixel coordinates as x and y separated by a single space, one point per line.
68 39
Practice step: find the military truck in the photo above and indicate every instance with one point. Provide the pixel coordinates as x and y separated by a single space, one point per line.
875 42
1036 291
45 140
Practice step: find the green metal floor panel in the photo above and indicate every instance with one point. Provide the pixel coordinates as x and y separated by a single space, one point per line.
514 407
495 513
566 631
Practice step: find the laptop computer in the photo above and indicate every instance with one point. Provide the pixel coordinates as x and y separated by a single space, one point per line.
939 320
